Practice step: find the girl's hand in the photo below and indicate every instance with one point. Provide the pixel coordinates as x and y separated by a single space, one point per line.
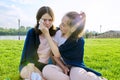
66 70
43 28
44 79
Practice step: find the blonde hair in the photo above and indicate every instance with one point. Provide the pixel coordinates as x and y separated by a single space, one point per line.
76 20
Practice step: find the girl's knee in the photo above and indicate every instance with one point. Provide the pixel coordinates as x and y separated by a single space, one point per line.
77 73
47 70
24 73
53 72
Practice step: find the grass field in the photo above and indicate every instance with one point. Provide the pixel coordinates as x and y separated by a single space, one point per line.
102 55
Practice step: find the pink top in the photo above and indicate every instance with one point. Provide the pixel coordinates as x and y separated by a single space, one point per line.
43 50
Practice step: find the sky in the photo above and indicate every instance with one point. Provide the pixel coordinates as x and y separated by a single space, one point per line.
101 15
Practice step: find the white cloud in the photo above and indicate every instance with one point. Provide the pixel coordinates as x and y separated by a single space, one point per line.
11 14
28 1
100 12
24 1
3 5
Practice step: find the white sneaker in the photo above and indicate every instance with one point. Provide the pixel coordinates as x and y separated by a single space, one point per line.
26 79
35 76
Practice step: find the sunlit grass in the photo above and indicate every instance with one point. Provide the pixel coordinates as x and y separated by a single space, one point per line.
10 52
102 55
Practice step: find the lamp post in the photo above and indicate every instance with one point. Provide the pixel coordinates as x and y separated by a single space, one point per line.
100 28
18 29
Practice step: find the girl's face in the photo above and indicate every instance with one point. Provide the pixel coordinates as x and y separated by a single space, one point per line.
47 20
64 27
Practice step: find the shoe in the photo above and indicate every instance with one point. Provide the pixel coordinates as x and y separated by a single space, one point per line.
26 79
35 76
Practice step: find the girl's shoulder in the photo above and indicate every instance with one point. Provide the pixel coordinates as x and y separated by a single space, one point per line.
58 33
31 31
81 40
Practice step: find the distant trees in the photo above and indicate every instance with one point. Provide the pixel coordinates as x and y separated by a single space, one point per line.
21 31
90 34
107 34
87 34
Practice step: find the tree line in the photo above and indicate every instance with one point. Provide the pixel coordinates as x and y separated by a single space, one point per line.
23 30
11 31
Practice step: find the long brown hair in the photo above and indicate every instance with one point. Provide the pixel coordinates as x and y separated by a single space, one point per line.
43 10
76 20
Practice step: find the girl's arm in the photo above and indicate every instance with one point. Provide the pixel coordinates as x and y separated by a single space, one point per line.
61 64
54 48
56 52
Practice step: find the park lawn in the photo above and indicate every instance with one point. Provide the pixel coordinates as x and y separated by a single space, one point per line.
102 55
10 52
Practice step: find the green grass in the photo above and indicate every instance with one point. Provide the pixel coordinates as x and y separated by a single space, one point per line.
10 52
101 55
